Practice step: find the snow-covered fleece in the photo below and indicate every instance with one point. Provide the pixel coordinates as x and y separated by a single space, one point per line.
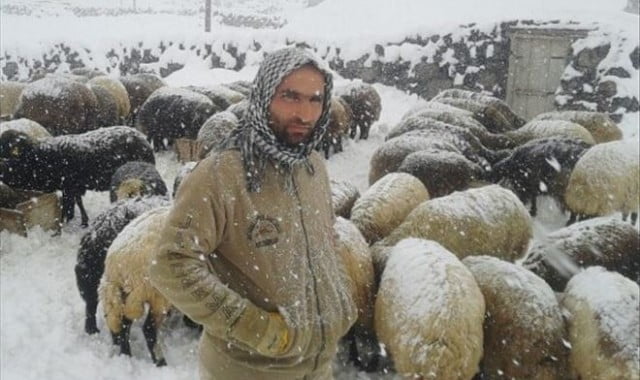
228 257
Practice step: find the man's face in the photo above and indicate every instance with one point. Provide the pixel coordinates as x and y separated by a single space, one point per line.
296 105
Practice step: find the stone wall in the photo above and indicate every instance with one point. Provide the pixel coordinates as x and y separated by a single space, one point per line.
473 58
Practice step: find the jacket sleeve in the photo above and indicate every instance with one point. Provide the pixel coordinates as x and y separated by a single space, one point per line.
181 270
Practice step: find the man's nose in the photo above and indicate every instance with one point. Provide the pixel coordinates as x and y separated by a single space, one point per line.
305 111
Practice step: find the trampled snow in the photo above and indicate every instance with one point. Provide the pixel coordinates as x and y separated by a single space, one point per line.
41 313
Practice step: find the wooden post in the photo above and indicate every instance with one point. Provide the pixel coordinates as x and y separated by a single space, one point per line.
207 15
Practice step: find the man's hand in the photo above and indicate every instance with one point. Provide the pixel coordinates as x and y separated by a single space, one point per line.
265 332
276 340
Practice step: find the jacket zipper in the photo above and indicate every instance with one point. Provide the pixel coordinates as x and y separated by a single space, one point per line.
313 275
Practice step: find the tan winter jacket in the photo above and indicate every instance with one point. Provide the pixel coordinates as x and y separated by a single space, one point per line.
228 257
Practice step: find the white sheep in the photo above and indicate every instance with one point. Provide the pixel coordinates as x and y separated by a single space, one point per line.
429 313
384 205
603 241
10 92
27 126
537 129
489 220
523 328
118 91
354 251
214 130
599 124
343 196
606 179
125 288
604 325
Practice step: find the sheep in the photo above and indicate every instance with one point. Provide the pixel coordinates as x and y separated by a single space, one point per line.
94 244
9 198
215 130
536 129
241 86
603 241
182 173
606 180
107 107
343 196
119 93
384 205
442 172
125 288
388 157
489 220
463 139
354 251
239 108
488 139
87 72
541 166
502 107
136 179
365 104
172 112
599 124
61 105
429 313
603 319
9 98
73 163
339 125
221 96
491 117
523 327
139 87
29 127
438 107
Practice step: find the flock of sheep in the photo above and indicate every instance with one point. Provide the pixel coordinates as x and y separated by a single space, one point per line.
445 271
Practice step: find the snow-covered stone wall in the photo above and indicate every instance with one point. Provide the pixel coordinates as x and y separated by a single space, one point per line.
599 74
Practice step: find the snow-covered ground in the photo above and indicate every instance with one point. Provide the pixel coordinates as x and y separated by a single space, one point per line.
41 312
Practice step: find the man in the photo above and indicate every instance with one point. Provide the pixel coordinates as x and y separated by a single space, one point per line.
248 250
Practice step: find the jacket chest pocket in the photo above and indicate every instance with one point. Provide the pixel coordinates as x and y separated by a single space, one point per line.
264 231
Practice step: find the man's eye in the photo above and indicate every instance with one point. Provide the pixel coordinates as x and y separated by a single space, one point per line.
289 95
316 99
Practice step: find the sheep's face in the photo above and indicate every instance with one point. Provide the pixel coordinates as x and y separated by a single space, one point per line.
14 144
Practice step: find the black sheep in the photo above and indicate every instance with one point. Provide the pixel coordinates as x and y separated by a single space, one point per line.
95 243
541 166
72 163
172 112
136 178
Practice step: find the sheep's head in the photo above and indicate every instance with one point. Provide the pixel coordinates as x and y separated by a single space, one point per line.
14 144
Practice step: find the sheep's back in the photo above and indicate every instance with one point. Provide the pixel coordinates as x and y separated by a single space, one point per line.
524 329
429 312
603 320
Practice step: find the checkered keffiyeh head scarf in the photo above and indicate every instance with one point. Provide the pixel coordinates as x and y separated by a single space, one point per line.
255 139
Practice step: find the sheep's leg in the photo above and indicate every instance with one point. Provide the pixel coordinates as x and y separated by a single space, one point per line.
338 144
634 218
122 338
190 323
88 287
83 212
150 330
534 206
325 147
353 131
572 218
68 206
